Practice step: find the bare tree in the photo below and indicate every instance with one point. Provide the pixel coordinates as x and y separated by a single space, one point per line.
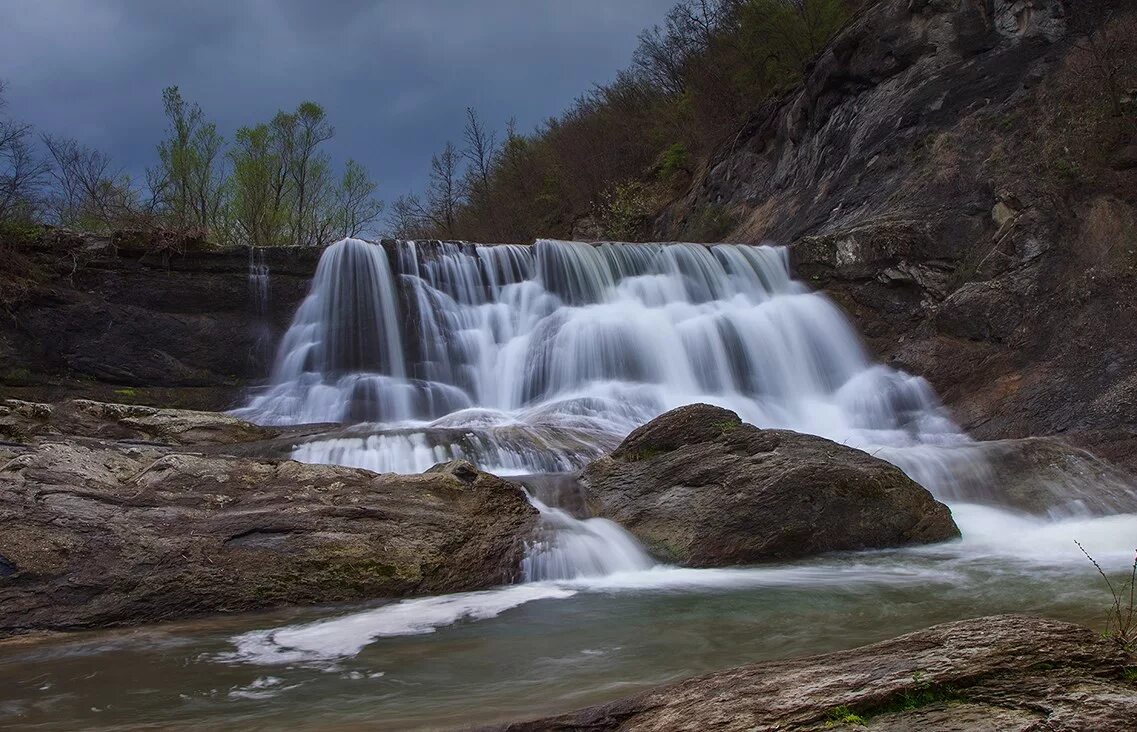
21 170
357 207
481 149
407 218
88 191
445 194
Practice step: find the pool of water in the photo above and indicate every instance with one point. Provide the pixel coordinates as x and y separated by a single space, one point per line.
546 647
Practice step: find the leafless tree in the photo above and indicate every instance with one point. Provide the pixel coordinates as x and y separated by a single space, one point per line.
407 218
21 170
445 193
481 149
88 191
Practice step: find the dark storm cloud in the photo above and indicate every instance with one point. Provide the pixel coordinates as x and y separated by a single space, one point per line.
395 75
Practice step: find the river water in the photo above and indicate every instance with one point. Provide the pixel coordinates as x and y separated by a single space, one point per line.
535 360
546 647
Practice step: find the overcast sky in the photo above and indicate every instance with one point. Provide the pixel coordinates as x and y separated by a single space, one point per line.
395 76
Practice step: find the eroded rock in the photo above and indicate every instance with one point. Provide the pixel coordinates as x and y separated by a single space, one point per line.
701 488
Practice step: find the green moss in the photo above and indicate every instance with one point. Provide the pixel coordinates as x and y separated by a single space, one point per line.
1130 674
918 698
16 375
644 453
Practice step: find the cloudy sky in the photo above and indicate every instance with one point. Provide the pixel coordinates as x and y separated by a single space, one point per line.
394 75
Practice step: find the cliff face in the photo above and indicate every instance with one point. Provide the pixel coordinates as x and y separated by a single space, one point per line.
958 178
178 329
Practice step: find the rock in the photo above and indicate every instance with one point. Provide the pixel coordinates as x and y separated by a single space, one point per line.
916 180
700 488
87 418
1046 477
99 534
1008 672
1125 158
1002 213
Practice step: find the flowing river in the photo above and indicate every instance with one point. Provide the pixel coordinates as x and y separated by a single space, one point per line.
534 360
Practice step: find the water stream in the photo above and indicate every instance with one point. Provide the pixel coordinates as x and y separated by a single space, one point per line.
534 360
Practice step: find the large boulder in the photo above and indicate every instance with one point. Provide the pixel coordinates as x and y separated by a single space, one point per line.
701 488
98 533
1006 672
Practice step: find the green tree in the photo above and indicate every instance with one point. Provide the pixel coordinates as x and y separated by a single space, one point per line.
258 200
190 175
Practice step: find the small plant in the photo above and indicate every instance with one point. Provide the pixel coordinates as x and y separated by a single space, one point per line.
843 715
127 393
727 426
1121 621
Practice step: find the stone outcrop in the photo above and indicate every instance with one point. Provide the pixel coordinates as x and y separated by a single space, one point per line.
108 518
700 488
1006 672
108 318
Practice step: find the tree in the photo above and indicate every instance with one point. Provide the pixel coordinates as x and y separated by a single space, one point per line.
21 170
356 207
257 192
444 193
302 133
88 192
407 218
481 152
190 177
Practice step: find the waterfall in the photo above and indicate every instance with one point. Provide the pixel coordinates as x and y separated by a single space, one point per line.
571 548
534 358
258 281
259 301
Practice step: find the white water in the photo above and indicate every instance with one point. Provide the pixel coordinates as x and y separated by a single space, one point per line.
542 357
994 541
538 359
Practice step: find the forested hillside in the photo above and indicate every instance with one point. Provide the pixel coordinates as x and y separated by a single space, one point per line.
621 151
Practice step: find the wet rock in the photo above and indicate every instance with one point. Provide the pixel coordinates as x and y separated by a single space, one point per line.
1047 477
1007 672
701 488
96 534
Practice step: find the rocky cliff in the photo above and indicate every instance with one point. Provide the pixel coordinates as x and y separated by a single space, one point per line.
112 318
963 180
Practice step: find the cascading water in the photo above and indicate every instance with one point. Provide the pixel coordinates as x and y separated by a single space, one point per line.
533 359
573 549
259 283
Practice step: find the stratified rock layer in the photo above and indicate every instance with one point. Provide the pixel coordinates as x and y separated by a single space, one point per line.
701 488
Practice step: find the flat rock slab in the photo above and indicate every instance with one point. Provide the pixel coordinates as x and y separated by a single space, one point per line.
701 488
95 533
1001 673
